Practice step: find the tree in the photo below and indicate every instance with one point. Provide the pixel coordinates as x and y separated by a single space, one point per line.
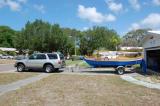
6 36
43 37
134 38
73 36
97 38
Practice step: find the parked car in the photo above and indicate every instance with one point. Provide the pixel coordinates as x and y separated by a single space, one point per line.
47 61
6 57
10 57
0 56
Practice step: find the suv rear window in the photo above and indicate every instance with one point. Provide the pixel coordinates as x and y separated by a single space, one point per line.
52 56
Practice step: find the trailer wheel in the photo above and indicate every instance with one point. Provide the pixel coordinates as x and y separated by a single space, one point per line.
120 70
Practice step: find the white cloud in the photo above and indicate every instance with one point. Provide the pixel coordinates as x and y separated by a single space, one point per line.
85 28
40 8
92 15
14 5
151 21
134 26
115 7
23 1
156 2
135 4
2 3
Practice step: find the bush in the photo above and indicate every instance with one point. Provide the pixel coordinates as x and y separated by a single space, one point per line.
12 53
1 52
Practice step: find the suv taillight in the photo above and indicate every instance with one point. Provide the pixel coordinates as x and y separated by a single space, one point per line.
59 62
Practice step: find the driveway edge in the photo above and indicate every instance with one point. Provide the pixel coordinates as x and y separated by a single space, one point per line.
139 82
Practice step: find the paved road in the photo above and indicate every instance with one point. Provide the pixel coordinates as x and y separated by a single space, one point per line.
7 67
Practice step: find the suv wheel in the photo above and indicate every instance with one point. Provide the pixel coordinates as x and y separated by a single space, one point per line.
48 68
20 67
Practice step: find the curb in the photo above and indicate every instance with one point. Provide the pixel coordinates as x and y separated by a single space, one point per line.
139 82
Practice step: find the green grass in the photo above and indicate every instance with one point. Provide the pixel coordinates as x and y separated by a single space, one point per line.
80 63
70 62
136 66
84 64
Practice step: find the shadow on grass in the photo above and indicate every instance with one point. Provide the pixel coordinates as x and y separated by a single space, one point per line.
102 71
41 71
106 72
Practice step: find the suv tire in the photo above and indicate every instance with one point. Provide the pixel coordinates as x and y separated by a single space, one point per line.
20 67
48 68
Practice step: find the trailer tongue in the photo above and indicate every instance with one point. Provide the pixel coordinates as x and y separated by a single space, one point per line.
118 65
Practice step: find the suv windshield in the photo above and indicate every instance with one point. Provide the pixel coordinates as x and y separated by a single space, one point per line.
52 56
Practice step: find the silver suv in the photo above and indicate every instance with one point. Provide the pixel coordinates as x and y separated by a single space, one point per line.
47 61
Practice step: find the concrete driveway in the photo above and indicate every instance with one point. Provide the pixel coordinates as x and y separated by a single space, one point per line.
7 67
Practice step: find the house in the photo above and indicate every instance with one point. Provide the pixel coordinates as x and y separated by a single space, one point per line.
151 45
7 49
108 54
131 48
130 51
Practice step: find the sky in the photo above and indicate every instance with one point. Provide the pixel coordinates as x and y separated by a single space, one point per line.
120 15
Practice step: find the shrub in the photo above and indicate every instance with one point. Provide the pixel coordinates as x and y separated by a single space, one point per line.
12 53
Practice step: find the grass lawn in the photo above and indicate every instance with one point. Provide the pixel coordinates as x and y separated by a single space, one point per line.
70 62
78 90
80 63
7 61
6 78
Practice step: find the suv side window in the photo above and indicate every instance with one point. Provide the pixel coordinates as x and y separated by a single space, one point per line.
32 57
41 56
52 56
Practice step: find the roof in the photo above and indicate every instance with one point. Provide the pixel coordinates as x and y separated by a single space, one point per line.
151 34
7 49
130 48
154 32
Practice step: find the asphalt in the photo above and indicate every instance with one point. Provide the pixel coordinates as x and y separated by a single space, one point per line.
7 67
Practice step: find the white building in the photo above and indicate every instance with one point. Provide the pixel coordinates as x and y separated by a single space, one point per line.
131 48
109 54
7 49
152 50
